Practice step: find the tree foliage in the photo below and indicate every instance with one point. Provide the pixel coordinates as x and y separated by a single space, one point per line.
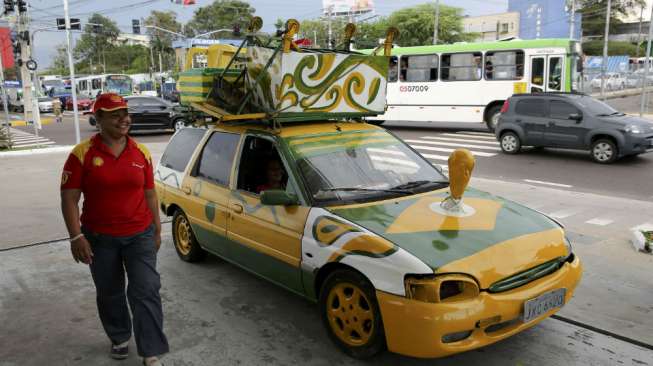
594 12
161 40
221 14
100 33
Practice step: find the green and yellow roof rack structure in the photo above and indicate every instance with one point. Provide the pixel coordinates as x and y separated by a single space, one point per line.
275 80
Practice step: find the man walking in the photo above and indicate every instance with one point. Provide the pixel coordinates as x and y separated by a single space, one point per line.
119 229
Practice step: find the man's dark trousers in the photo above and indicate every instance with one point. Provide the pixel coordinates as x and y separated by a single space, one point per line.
136 255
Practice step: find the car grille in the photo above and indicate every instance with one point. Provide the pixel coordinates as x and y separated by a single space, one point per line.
529 275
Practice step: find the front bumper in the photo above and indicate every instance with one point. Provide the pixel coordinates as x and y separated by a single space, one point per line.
416 328
637 144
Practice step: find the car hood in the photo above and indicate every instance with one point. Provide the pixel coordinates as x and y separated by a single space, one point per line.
499 239
645 124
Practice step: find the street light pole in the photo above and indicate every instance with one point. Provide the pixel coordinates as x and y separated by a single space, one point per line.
605 49
647 67
4 100
437 21
572 19
71 67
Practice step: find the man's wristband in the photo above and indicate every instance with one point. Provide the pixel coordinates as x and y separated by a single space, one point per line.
72 239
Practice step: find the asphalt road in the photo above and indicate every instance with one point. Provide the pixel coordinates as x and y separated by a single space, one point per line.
567 169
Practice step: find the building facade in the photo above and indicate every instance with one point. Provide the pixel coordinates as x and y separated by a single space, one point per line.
493 27
544 19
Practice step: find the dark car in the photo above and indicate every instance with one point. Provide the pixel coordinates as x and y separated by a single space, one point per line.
572 121
152 113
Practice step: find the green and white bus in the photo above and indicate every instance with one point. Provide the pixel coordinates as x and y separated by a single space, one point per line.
468 82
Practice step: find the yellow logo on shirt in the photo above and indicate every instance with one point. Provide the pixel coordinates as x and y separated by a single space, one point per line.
64 177
97 161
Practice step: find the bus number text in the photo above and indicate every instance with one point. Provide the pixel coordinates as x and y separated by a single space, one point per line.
413 88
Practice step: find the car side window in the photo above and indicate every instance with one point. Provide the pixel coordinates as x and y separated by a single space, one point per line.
181 147
261 167
218 157
531 107
561 110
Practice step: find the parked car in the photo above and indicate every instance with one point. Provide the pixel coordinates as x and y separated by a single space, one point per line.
62 92
45 104
572 121
634 80
349 216
613 81
153 113
83 103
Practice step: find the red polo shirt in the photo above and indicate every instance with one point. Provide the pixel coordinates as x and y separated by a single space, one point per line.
113 188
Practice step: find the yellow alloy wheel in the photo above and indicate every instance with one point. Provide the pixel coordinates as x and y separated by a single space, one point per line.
183 235
350 314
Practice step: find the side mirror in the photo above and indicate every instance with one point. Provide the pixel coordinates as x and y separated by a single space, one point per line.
576 117
277 197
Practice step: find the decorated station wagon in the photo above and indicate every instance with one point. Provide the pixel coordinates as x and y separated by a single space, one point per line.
396 254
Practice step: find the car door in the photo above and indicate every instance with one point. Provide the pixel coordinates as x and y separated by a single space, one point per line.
561 130
269 236
207 191
155 113
530 113
134 110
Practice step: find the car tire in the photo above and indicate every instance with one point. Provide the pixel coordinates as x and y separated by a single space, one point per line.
510 143
351 314
178 124
186 245
604 151
492 118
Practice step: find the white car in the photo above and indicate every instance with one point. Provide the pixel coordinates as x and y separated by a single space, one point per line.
45 104
634 80
613 81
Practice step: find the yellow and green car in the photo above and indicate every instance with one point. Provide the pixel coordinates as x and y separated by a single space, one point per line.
347 215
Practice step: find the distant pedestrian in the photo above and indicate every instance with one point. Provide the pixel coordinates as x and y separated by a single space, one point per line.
56 109
120 229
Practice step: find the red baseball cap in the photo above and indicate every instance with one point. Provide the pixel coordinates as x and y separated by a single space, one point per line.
109 102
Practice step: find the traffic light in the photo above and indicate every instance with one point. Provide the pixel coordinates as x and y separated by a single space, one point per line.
22 6
74 24
136 26
9 6
24 36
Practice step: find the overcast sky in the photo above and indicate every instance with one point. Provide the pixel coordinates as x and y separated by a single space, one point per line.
123 11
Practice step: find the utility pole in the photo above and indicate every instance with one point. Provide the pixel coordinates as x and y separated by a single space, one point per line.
647 67
330 34
604 66
36 113
437 21
639 34
4 99
71 67
20 8
572 19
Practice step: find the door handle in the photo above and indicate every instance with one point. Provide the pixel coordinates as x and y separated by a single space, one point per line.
237 207
186 190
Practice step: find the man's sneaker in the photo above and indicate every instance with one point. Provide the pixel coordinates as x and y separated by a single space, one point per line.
119 351
152 361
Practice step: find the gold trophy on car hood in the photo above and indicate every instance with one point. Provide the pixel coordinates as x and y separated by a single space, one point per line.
461 163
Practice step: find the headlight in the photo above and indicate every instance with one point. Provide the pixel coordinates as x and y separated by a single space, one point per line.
441 289
633 129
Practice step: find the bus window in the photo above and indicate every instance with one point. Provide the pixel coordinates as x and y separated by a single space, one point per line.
537 74
96 84
393 70
420 68
555 73
461 66
504 65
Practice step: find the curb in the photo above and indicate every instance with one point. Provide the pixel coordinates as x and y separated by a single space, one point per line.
45 121
45 150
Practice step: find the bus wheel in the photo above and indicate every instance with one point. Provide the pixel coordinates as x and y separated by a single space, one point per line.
492 117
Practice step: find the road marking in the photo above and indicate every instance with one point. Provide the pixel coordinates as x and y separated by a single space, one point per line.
564 213
454 144
495 142
548 183
465 135
442 149
435 157
599 221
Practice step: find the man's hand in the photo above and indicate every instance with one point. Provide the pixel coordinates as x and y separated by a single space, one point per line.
81 250
157 239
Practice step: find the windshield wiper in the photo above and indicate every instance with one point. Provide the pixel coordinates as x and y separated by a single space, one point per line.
354 189
419 183
610 114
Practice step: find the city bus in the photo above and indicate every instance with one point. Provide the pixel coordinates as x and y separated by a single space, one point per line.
468 82
89 86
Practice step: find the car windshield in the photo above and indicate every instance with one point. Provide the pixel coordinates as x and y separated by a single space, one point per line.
360 166
60 90
119 84
596 107
45 99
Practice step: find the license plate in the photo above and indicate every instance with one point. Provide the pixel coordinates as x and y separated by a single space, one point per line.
533 308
